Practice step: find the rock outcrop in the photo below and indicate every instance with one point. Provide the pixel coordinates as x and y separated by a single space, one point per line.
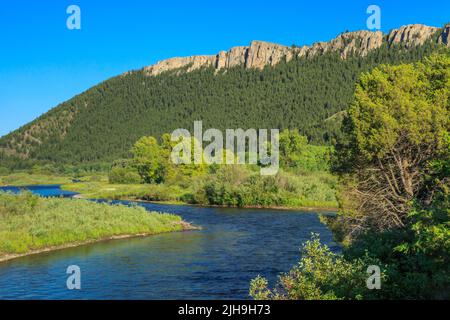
257 55
234 57
359 42
411 35
260 54
194 62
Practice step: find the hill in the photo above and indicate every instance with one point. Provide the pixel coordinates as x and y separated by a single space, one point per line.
263 85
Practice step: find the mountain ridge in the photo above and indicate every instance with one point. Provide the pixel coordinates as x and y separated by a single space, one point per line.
261 53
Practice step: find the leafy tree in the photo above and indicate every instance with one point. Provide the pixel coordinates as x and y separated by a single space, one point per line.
150 160
398 123
291 145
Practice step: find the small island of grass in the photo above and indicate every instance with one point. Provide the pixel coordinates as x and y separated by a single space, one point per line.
30 224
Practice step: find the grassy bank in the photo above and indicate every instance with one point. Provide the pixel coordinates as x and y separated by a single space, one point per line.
27 179
31 224
313 191
106 190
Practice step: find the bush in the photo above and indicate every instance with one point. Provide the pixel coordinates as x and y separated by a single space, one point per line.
320 275
120 175
4 171
240 186
418 256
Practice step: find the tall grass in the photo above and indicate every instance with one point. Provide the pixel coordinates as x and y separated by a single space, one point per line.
104 190
26 179
28 222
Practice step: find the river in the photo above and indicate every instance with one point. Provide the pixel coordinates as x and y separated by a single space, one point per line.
217 262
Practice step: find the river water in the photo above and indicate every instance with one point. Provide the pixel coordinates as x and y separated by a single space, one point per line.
217 262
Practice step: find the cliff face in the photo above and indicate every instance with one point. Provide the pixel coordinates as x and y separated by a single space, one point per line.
257 55
411 35
260 54
359 42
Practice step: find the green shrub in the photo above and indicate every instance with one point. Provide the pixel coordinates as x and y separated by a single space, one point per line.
240 186
4 171
320 275
120 175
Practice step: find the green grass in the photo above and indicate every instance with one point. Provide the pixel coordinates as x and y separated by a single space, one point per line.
105 190
26 179
29 223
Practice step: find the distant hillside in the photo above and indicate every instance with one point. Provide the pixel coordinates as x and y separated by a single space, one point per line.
261 86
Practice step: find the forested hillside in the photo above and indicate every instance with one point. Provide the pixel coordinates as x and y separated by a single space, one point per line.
102 124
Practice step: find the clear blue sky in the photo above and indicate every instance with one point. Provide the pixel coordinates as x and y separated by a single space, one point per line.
42 63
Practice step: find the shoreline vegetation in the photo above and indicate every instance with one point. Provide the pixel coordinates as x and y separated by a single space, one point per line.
149 194
30 224
24 178
102 189
88 188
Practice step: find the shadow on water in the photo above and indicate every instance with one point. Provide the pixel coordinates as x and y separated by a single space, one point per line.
217 262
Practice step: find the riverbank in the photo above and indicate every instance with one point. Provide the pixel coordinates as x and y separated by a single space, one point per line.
318 209
19 179
32 225
314 192
8 257
174 195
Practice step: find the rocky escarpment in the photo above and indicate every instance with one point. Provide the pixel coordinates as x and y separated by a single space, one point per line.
411 35
260 54
359 42
257 55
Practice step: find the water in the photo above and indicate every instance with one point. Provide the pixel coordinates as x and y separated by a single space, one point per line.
45 191
217 262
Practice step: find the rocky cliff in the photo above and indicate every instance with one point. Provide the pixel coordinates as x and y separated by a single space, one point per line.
260 54
411 35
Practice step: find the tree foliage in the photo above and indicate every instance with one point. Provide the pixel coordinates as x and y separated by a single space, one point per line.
397 125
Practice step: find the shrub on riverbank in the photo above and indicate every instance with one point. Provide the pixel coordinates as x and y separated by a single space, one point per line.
239 186
28 222
320 275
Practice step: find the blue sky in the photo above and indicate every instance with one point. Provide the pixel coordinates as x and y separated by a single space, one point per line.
43 63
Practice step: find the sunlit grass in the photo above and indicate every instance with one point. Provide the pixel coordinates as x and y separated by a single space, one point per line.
26 179
28 222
